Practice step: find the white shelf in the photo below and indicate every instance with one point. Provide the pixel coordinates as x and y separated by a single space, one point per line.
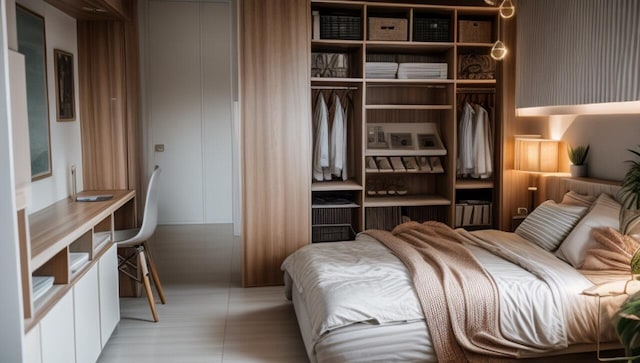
407 201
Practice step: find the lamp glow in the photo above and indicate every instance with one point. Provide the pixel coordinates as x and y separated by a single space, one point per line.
507 9
491 2
498 50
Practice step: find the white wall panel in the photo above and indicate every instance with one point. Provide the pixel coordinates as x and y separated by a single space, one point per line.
189 108
577 52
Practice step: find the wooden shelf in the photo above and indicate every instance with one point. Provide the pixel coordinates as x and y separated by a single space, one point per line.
407 47
322 81
335 206
336 43
407 201
57 226
409 107
401 172
409 152
474 184
475 45
475 81
409 82
329 186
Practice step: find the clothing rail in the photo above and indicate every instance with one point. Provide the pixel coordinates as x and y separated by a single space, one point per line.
334 88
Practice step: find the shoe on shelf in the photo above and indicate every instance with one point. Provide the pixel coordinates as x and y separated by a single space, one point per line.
410 164
401 189
424 164
436 165
371 166
383 164
396 163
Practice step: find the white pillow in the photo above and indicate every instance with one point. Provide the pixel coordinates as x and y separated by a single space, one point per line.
605 212
550 223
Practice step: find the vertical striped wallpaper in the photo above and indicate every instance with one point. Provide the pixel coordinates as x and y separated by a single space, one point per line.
573 52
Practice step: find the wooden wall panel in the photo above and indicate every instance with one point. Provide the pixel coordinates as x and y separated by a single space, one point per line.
109 78
276 134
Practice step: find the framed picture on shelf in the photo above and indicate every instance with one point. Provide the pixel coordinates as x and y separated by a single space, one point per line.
65 95
401 140
376 138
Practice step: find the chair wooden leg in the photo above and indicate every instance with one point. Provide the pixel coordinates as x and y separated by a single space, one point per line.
142 262
154 273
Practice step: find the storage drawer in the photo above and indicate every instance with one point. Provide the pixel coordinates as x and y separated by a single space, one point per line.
388 29
431 29
472 31
330 65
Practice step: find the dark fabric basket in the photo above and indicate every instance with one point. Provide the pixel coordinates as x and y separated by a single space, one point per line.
343 27
432 29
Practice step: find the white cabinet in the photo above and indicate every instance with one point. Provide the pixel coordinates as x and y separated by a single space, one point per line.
57 332
109 302
32 352
87 317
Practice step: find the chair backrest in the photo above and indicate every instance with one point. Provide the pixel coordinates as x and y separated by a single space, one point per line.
150 218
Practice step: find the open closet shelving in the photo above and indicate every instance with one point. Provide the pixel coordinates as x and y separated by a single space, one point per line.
375 101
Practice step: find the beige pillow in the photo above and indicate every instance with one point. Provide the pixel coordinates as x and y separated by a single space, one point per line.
605 212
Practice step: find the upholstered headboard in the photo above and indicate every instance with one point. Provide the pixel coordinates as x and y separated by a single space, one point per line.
555 187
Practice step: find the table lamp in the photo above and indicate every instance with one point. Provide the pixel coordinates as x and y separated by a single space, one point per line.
536 155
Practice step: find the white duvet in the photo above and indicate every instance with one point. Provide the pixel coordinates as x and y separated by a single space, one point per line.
363 282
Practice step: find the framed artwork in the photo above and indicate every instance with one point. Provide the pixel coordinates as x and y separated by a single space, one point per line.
32 44
65 95
401 140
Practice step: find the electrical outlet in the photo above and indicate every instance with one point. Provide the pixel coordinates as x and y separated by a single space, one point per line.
522 211
159 148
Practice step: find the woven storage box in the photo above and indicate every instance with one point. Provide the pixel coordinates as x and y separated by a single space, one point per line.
388 29
344 27
432 29
471 31
335 65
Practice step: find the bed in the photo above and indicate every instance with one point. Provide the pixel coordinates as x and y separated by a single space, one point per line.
357 301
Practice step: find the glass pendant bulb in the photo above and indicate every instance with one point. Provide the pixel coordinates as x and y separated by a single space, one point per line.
507 9
491 2
498 51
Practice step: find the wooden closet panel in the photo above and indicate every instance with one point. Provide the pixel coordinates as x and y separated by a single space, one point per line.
276 134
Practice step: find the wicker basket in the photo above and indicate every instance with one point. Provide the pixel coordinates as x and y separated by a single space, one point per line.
388 29
472 31
432 29
334 65
344 27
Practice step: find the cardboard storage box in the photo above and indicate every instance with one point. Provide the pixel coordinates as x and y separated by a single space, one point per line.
388 29
472 31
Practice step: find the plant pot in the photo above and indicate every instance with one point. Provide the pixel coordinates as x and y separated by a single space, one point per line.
578 171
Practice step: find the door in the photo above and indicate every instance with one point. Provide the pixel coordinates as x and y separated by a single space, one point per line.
190 107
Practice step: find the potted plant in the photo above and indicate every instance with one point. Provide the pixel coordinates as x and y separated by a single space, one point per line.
578 157
628 327
629 197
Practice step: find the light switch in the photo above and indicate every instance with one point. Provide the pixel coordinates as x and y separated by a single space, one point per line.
159 148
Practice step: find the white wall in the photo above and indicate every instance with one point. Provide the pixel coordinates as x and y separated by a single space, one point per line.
11 322
66 146
609 137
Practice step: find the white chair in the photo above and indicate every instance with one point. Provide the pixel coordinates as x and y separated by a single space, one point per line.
138 240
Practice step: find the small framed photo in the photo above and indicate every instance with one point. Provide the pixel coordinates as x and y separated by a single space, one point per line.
428 141
401 140
65 94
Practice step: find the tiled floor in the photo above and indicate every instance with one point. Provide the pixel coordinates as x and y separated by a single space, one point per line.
208 316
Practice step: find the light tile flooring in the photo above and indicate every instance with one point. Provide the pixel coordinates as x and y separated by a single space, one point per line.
208 316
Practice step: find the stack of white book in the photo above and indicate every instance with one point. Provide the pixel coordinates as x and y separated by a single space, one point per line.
385 70
77 260
41 284
422 71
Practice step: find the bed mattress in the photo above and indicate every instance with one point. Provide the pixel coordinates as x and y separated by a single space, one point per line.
386 337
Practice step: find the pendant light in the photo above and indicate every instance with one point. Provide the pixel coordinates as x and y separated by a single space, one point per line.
507 9
498 50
